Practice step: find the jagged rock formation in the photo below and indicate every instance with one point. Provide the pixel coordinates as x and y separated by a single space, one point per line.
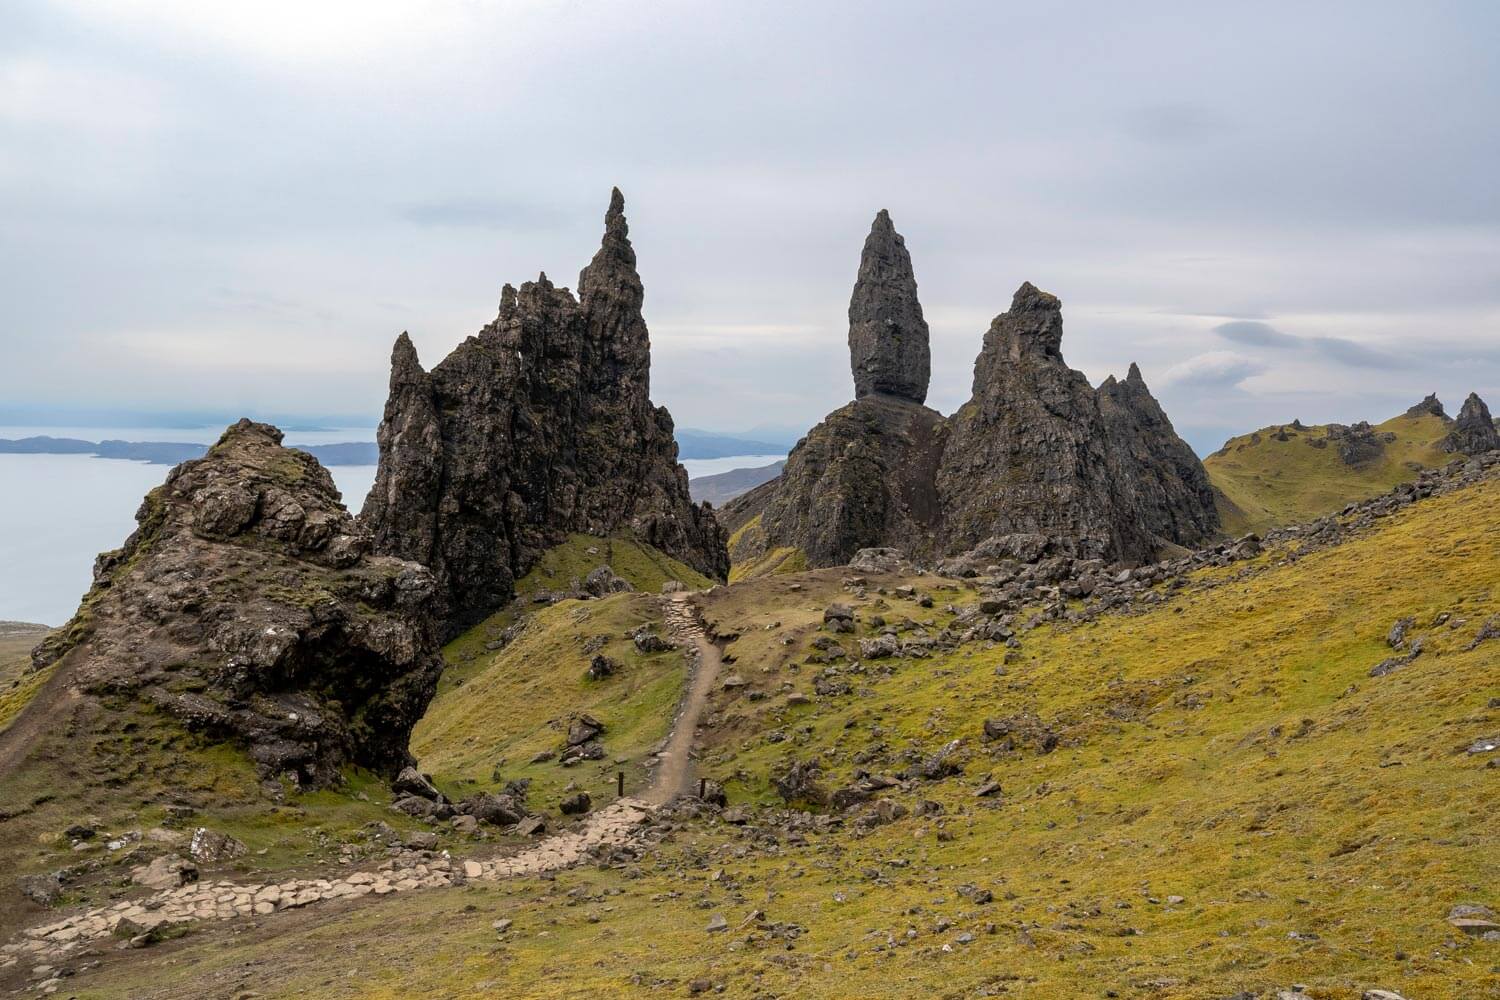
867 473
864 476
889 350
539 426
1036 462
1429 404
1474 430
1030 453
246 604
1171 487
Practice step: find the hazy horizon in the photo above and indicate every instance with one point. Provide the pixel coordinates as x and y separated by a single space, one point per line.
1279 213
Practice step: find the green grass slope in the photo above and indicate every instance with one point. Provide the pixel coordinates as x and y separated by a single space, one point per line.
1234 805
516 702
1264 482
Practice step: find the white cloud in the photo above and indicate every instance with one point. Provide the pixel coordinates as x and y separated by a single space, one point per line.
1214 369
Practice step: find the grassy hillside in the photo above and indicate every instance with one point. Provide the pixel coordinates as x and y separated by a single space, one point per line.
1266 481
131 773
1234 804
515 703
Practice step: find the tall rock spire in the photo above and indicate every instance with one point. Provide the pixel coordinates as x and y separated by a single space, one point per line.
539 427
1474 430
888 341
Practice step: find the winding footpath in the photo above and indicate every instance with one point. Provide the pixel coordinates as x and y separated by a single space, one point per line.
617 825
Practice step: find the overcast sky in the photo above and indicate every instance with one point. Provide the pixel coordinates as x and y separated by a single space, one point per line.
1278 210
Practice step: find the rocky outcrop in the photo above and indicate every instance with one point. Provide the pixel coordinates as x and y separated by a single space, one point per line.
539 426
1036 462
889 351
864 476
246 604
1429 406
1474 429
1030 453
867 473
1171 489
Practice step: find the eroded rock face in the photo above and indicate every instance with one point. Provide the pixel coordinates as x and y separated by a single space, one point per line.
1030 453
1430 404
862 477
247 605
1035 461
1474 429
889 348
539 426
1170 486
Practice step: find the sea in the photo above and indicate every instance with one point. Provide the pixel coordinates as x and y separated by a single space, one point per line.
57 512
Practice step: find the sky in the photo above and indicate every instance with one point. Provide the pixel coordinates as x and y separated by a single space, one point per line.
1277 210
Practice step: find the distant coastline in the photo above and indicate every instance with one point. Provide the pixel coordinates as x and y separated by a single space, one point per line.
172 452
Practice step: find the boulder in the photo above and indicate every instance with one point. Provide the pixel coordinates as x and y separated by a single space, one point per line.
166 872
576 804
211 845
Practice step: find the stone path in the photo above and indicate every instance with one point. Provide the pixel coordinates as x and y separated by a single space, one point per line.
674 770
136 920
139 921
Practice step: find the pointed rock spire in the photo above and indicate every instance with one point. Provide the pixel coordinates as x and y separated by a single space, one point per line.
612 274
889 351
1164 482
1474 431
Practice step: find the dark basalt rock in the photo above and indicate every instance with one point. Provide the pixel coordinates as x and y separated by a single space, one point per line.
863 477
1030 453
1357 444
1474 430
1171 487
889 350
246 604
1430 404
1035 457
539 426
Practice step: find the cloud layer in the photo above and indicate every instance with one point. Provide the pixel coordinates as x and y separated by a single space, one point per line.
206 206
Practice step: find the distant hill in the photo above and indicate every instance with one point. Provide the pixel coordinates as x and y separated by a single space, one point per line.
710 444
1287 473
173 452
725 486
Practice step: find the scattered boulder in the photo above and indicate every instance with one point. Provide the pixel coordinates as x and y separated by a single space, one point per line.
413 782
602 666
879 648
647 641
1021 729
43 890
210 846
166 872
602 582
496 810
583 729
576 804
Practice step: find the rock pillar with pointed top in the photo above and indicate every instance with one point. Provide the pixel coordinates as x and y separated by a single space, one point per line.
1474 431
889 349
540 426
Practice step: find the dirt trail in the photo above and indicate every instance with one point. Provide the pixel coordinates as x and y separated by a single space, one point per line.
618 824
674 770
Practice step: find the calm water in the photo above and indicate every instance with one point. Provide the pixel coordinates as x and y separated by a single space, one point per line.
713 466
59 511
